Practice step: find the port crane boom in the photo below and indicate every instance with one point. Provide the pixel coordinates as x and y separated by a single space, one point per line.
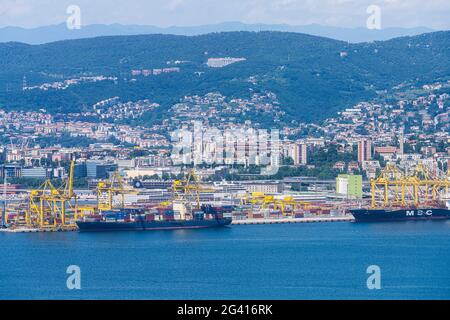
49 206
394 187
107 190
5 186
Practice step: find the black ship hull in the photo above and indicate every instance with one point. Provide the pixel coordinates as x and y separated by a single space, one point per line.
385 215
152 225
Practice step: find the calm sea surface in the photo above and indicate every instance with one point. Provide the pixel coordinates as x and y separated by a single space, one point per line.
296 261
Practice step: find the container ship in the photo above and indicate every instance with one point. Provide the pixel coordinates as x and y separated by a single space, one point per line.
401 214
157 219
403 195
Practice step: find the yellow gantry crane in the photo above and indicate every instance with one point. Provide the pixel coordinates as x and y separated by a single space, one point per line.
51 207
187 191
396 188
283 203
108 190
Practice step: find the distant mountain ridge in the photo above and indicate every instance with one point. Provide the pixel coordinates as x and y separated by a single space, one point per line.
59 32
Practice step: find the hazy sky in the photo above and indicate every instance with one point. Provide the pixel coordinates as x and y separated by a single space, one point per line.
345 13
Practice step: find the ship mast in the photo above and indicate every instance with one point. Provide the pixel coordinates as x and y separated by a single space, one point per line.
5 184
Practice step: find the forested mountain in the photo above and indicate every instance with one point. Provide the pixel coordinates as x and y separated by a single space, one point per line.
313 77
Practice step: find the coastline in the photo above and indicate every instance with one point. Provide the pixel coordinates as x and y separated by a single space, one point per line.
347 218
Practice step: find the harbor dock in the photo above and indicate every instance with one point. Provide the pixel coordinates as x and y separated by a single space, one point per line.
294 220
34 230
235 222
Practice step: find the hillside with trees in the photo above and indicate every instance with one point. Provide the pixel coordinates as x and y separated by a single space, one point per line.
313 77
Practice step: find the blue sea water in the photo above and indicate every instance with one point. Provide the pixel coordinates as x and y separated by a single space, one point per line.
292 261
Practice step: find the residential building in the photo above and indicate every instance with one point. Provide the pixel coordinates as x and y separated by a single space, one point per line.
299 153
364 150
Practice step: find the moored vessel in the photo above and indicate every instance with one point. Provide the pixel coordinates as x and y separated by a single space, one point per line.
400 214
184 212
403 195
207 217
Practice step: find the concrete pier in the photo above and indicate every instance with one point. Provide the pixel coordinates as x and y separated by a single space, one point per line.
294 220
33 230
19 230
235 222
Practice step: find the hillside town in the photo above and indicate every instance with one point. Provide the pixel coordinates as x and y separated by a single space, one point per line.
38 145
